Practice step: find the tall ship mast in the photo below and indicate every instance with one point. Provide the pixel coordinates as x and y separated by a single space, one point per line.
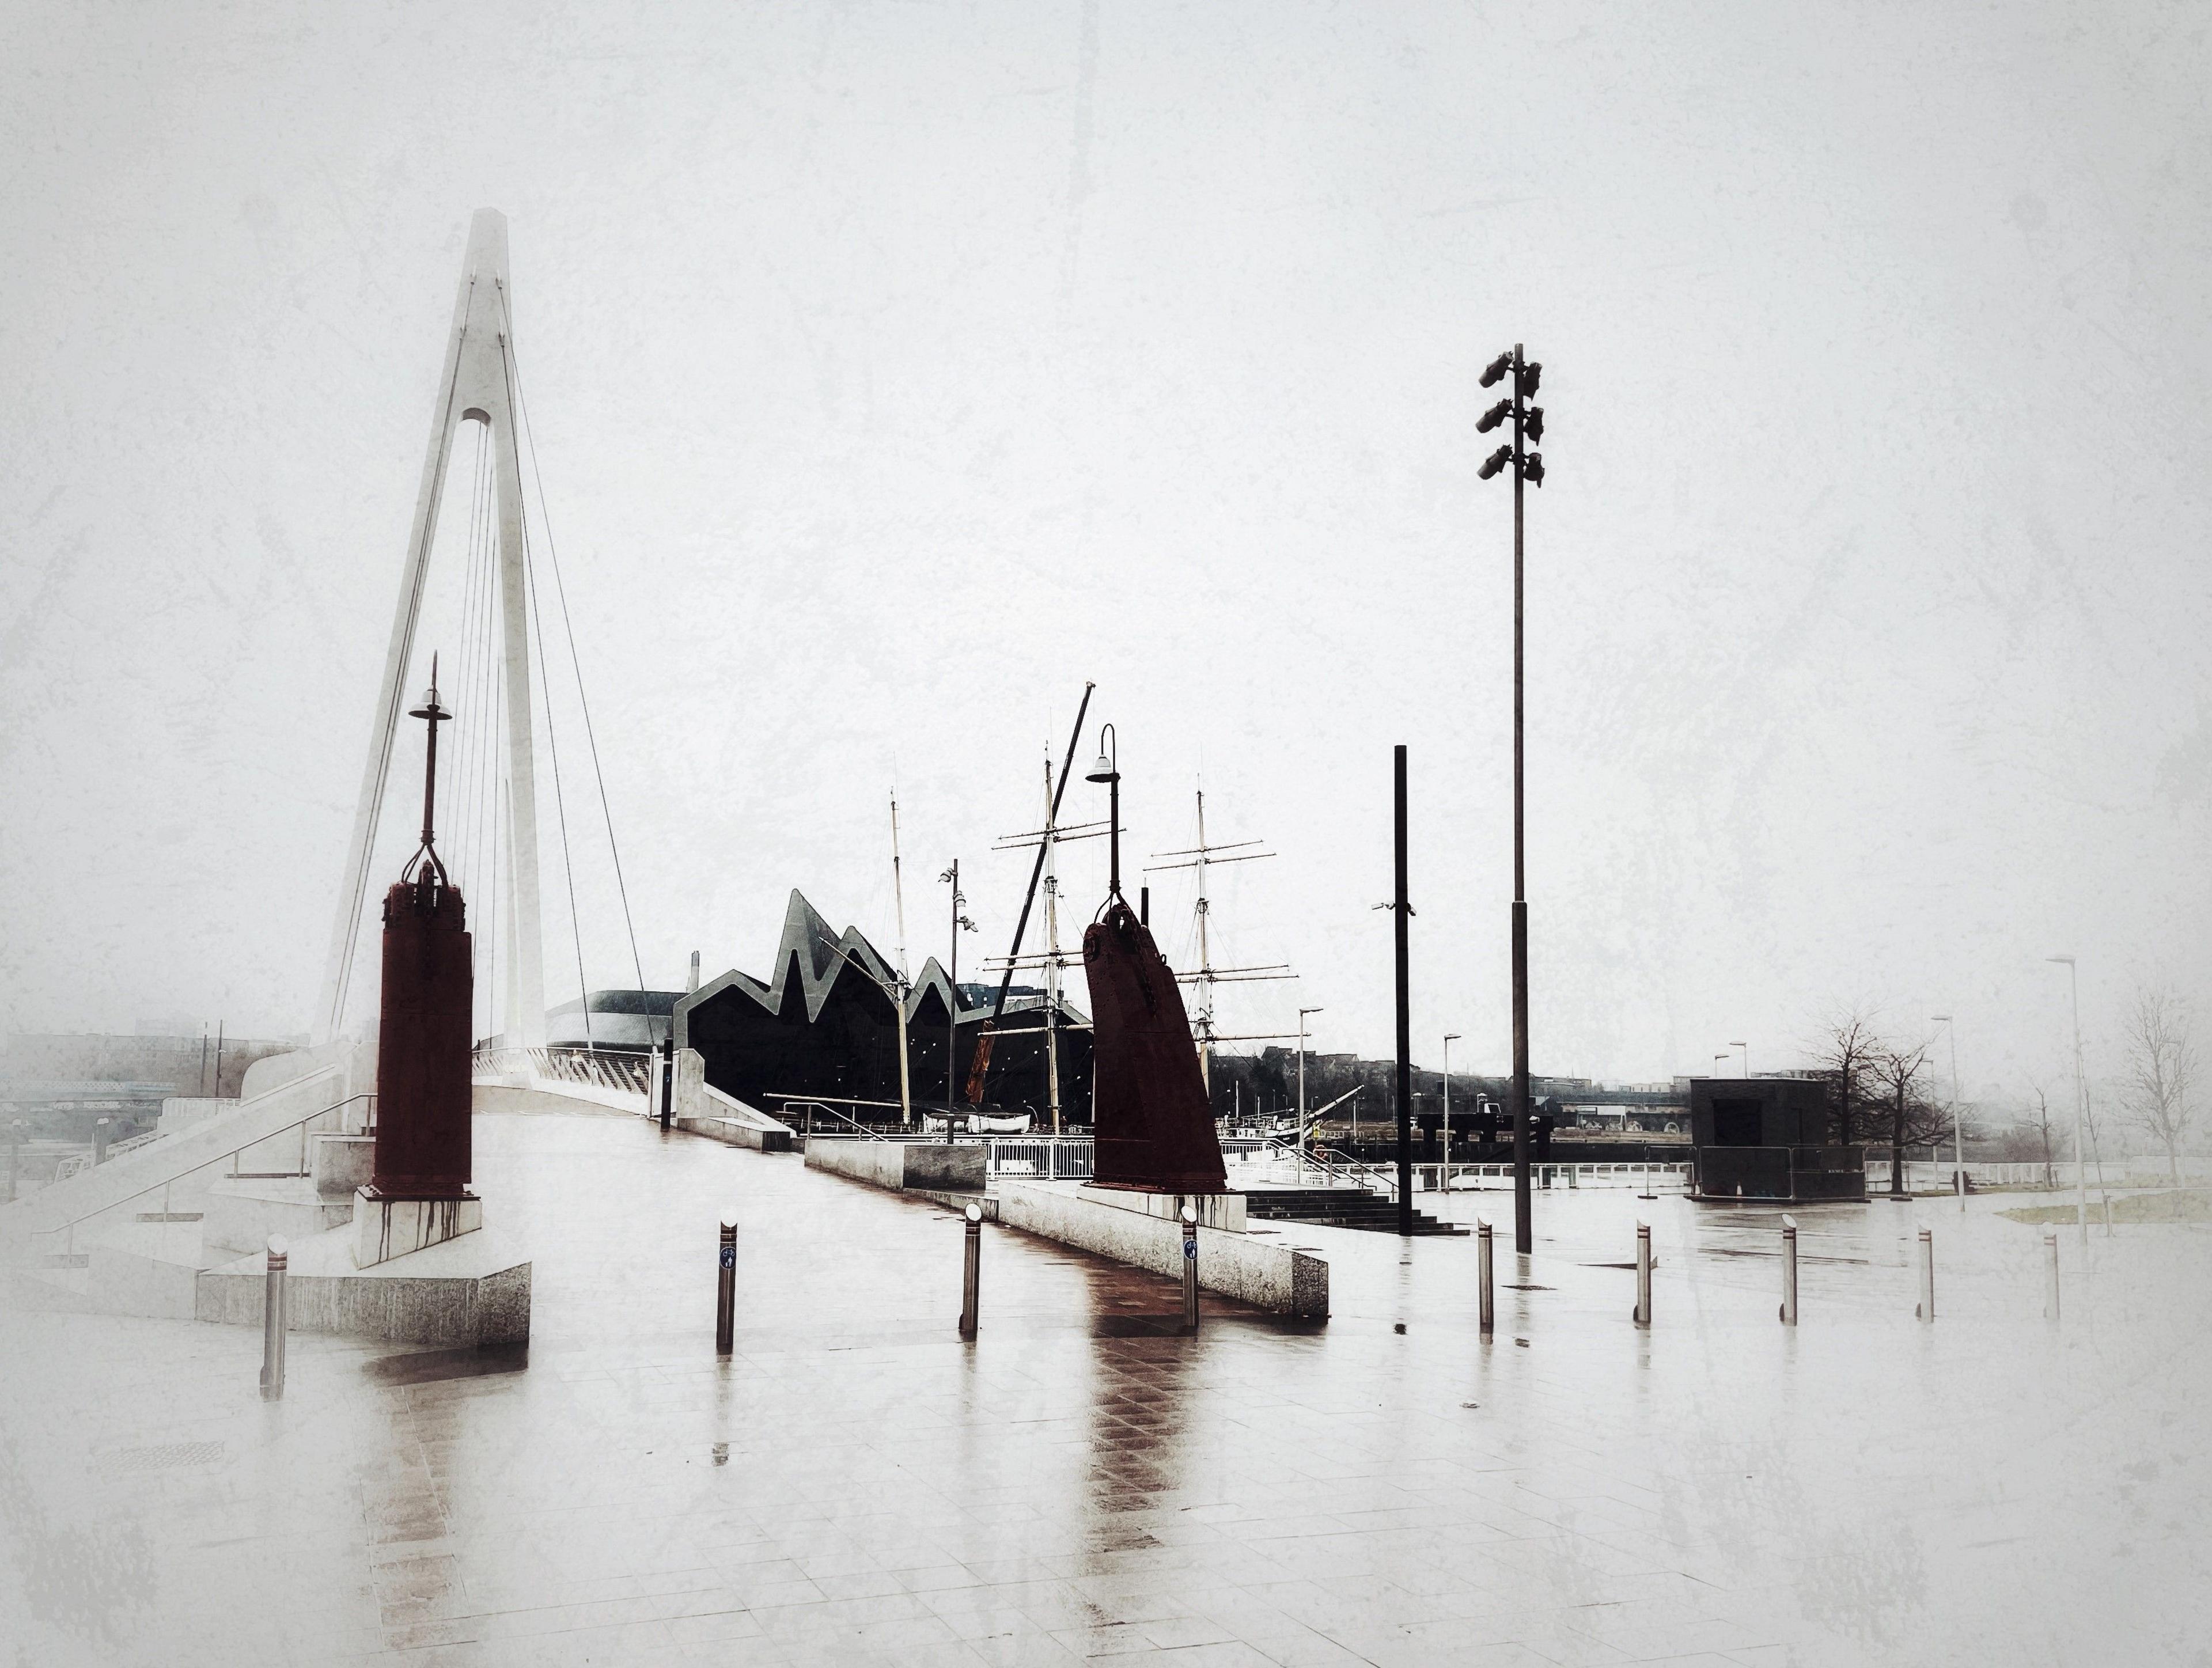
1052 961
1206 977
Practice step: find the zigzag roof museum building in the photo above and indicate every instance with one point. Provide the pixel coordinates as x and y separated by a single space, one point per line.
824 1026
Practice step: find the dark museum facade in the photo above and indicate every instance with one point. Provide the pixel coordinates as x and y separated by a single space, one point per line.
824 1025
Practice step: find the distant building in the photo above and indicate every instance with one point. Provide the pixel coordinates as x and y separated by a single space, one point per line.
1770 1138
824 1025
626 1022
213 1065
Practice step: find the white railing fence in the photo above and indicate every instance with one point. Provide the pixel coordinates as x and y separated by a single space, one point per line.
624 1074
1924 1175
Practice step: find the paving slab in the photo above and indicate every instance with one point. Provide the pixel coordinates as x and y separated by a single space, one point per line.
857 1484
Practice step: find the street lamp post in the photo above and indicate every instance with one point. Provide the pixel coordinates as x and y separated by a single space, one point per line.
1527 466
1958 1130
1108 771
1303 1012
1747 1056
2081 1094
1450 1037
1400 910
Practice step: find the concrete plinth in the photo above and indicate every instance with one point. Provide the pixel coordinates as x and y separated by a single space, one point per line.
239 1213
468 1290
898 1164
386 1228
344 1163
1224 1212
1110 1222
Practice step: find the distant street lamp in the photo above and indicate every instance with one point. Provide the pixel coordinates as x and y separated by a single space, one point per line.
2081 1095
1450 1037
1958 1132
1303 1012
1747 1056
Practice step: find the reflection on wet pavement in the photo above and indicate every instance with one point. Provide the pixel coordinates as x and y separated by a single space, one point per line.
856 1484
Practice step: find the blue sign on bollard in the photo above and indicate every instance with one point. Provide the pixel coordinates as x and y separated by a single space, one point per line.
1190 1250
729 1256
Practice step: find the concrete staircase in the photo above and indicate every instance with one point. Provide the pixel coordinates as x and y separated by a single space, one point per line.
1337 1207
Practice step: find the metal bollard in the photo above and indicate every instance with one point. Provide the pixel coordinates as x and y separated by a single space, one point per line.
725 1293
1788 1271
1926 1307
100 1141
971 1273
273 1323
1643 1274
1189 1270
1488 1301
2050 1276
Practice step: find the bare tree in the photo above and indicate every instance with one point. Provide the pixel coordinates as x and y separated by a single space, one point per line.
2043 1122
2161 1069
1895 1069
1844 1052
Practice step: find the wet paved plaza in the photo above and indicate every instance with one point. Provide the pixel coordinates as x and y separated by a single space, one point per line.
857 1485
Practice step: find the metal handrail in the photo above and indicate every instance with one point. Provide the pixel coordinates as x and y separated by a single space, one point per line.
1321 1158
812 1106
297 1123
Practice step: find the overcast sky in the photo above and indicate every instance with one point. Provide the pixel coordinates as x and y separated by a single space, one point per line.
895 368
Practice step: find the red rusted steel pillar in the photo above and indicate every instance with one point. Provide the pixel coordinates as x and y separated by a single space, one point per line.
423 1146
422 1053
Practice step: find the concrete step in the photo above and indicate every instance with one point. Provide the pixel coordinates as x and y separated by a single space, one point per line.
1337 1207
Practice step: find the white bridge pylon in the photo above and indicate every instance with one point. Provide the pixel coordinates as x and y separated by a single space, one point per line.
478 386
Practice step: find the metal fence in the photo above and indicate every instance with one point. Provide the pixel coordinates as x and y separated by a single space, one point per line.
1928 1175
1068 1158
1644 1177
624 1074
1043 1157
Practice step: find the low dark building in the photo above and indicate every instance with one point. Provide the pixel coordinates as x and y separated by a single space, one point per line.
1770 1138
824 1025
616 1021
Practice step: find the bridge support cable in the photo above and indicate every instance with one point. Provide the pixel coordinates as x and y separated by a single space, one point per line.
575 662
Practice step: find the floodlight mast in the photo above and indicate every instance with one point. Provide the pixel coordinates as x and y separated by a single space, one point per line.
1528 467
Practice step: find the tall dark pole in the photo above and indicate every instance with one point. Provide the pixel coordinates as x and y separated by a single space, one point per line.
1528 426
953 1008
1523 1230
979 1066
1400 911
1113 837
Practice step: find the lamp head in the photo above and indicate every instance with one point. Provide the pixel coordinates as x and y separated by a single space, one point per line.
1106 769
